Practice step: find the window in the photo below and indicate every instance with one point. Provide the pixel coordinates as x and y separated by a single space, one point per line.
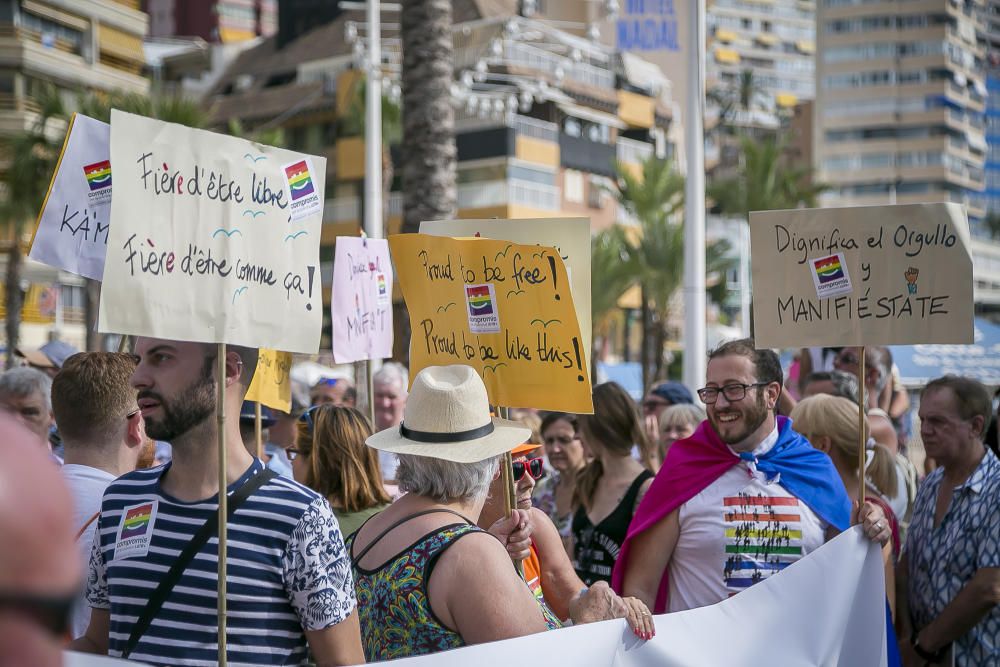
573 186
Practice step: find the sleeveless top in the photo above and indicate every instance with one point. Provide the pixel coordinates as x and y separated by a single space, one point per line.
394 610
595 548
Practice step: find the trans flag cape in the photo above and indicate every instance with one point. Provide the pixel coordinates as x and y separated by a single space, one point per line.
694 463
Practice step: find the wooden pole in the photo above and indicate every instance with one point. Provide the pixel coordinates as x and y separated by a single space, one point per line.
258 429
862 452
369 381
223 504
124 344
507 480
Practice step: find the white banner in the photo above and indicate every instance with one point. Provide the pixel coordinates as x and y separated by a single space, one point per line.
213 238
826 609
72 232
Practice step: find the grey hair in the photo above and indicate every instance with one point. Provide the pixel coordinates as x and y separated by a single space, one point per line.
880 357
446 481
845 385
25 381
681 413
392 372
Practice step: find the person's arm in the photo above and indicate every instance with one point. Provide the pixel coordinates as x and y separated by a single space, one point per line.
976 599
338 644
560 582
474 590
904 626
650 555
317 567
95 639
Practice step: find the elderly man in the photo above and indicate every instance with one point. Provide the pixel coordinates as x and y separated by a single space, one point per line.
703 532
948 576
39 578
390 384
292 589
336 391
26 393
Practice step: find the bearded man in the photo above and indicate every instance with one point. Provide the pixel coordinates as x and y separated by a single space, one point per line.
738 501
290 593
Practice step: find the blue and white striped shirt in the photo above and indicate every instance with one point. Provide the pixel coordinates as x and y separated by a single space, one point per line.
287 572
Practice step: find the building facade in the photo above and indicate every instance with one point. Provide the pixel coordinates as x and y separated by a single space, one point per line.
215 21
78 46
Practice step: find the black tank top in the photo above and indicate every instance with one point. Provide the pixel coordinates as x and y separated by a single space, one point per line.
595 548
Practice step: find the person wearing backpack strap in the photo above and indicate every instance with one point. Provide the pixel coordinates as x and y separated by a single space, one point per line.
152 580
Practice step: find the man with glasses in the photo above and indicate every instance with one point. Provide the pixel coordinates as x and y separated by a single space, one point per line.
291 592
39 578
948 575
738 501
103 433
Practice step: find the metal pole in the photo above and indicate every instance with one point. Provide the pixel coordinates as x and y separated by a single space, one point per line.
223 504
373 125
694 202
745 276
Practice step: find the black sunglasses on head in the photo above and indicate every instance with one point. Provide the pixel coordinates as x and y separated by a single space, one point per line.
307 416
533 467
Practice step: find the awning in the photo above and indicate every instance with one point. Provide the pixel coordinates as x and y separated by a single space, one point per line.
727 56
592 115
959 78
766 39
643 74
979 87
724 35
805 46
786 100
120 44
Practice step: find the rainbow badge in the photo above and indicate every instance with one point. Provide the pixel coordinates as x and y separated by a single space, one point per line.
98 175
480 303
830 275
299 180
135 530
381 290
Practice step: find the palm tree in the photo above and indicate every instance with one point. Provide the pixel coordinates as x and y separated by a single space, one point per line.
656 252
612 273
743 95
429 152
36 153
764 183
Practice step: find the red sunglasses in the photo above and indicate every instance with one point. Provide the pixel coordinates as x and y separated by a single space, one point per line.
533 467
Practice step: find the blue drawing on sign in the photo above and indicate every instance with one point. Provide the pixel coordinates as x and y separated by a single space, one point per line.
256 159
295 235
238 292
220 230
252 214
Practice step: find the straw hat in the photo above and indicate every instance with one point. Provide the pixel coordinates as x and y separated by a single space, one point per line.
447 416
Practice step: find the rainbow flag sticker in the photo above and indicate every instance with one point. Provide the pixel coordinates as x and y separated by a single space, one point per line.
299 180
137 520
98 175
830 275
480 301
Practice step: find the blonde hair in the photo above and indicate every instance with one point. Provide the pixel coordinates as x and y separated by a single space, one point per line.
341 467
681 414
837 418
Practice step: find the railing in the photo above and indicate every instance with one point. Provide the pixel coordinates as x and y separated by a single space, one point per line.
395 204
513 191
630 150
482 194
343 209
535 128
535 195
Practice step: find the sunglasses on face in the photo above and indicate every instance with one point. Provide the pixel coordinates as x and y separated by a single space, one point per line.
48 612
327 382
533 467
307 417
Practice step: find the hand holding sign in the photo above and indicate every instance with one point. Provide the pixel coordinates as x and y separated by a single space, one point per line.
500 307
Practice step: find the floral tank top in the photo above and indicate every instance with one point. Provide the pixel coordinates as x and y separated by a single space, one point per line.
393 608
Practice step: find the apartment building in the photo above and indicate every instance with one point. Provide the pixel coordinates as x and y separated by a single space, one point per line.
216 21
77 45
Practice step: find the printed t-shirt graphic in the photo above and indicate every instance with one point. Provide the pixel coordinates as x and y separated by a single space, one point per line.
763 536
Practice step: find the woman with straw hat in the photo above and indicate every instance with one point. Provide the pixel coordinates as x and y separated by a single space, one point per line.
427 578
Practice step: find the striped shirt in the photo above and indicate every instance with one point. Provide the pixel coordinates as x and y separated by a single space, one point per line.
286 564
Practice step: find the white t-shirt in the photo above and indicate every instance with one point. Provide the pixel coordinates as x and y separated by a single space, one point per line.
739 530
87 486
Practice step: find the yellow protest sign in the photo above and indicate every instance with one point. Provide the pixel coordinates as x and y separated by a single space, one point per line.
271 385
503 308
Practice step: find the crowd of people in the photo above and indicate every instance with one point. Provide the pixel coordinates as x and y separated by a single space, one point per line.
353 540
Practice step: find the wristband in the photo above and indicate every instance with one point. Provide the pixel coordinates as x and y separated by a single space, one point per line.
929 656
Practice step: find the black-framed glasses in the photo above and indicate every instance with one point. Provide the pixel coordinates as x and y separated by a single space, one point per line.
733 392
533 467
50 612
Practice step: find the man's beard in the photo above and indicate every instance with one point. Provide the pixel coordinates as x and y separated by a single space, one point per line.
188 409
752 419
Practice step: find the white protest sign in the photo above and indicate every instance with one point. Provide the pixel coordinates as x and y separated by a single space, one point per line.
72 231
213 239
773 622
870 275
570 236
361 305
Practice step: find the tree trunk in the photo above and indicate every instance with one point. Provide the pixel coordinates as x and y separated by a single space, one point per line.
13 299
429 155
661 341
647 336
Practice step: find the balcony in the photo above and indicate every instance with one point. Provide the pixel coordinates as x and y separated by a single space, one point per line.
586 155
631 151
510 192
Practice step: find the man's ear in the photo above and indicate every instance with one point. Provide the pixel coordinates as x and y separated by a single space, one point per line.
234 368
822 443
978 426
135 431
773 392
